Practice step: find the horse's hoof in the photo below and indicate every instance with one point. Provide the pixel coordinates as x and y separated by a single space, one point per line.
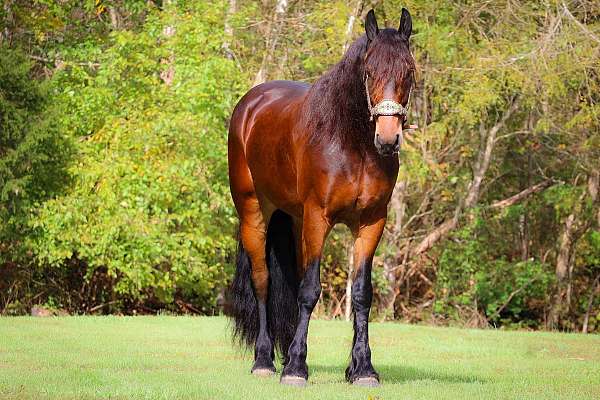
293 381
263 372
368 381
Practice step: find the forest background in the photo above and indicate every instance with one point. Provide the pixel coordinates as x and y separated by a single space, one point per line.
114 194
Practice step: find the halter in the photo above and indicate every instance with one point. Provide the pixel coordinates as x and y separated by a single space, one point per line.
385 106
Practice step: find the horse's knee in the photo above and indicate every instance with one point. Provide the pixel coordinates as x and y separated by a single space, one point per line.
310 287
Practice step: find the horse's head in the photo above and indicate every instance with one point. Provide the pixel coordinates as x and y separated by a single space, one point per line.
388 80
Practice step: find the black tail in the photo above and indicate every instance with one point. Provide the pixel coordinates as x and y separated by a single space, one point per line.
282 305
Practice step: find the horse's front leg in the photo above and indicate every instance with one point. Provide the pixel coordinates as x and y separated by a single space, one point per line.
314 231
361 371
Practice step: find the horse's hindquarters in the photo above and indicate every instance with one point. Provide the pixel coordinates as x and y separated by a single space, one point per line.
262 147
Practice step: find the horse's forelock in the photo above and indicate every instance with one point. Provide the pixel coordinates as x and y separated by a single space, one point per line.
389 57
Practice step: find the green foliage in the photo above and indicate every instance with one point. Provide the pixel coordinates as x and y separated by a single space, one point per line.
33 152
471 277
150 202
590 251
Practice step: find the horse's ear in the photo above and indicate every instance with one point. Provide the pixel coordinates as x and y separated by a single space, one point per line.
405 28
371 26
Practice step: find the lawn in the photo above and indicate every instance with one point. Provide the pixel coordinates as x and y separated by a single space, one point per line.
192 358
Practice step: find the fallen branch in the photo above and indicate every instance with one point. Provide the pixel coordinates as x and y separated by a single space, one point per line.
488 139
579 24
436 235
99 306
187 307
522 195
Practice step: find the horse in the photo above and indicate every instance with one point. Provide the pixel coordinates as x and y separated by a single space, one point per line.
301 159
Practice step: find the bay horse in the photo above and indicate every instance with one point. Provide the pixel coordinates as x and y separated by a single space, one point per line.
301 159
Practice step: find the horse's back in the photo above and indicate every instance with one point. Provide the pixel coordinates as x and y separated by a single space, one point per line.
261 141
269 102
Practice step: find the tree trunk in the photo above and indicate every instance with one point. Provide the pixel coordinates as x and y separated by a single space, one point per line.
114 18
5 35
168 74
586 318
390 264
512 200
228 29
272 38
594 186
524 237
563 261
350 24
564 250
573 229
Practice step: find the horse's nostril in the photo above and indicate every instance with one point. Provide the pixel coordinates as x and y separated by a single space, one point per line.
387 147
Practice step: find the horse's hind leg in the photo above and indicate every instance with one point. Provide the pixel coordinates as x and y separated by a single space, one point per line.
253 236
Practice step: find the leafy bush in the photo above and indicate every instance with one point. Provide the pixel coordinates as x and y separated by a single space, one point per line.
470 276
150 204
33 153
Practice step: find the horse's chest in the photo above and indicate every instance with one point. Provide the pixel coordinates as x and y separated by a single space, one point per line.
366 190
373 191
369 196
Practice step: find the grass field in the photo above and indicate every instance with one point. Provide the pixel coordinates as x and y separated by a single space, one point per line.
192 358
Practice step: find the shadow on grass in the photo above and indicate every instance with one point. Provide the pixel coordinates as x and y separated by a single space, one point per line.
403 374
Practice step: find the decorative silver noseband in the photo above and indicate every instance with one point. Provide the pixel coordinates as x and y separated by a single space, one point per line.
385 106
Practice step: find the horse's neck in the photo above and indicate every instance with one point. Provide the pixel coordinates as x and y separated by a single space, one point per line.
351 132
340 105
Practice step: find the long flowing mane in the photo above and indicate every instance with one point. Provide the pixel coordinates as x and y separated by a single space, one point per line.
336 106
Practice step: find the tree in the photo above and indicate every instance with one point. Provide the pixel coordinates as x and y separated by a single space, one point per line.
33 153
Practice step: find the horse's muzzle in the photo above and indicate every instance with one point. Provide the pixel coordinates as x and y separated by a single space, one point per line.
385 148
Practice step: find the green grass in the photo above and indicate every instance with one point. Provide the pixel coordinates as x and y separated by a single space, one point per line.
192 358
